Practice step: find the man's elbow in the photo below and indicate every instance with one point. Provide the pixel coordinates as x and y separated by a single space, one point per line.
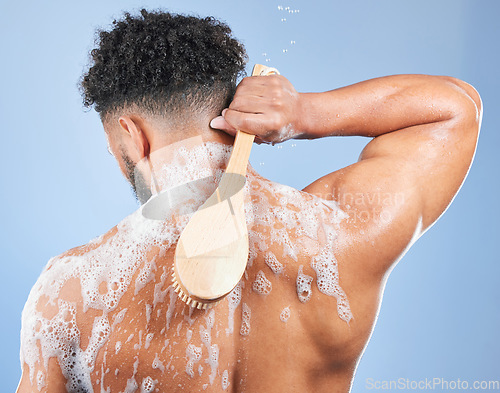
468 104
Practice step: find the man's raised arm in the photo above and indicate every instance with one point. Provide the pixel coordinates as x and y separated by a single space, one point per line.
425 130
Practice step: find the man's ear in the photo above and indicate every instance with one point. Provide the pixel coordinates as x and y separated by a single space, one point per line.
137 135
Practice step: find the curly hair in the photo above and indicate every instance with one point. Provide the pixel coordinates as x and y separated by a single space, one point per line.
164 63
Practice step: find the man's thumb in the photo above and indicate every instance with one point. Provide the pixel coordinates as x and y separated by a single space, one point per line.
221 124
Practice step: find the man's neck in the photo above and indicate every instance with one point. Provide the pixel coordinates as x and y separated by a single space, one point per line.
183 175
186 161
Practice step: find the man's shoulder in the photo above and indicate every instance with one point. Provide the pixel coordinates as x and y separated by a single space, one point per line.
71 283
87 273
67 261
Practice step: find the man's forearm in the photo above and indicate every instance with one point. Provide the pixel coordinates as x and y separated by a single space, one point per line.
381 105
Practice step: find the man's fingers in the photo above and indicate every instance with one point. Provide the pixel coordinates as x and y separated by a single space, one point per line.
251 104
252 123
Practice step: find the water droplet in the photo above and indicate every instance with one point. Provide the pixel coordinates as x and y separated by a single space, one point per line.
283 19
292 42
285 50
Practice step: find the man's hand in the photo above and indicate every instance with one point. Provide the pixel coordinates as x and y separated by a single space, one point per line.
266 106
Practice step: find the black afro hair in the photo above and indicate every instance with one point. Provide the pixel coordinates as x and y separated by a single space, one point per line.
163 63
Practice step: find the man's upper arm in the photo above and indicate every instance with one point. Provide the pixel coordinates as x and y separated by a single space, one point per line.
404 180
50 381
47 321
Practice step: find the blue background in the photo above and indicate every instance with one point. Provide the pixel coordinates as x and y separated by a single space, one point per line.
60 188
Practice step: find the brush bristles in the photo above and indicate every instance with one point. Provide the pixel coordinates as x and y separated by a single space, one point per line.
186 298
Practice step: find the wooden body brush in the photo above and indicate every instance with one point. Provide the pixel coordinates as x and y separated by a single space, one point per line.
212 251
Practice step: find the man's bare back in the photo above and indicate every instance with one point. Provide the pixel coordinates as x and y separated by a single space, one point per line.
288 323
104 316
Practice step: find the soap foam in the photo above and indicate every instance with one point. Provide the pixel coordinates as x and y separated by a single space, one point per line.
131 382
273 263
305 227
40 380
148 385
149 338
261 284
158 364
285 314
193 354
146 274
246 314
225 380
303 282
327 280
233 301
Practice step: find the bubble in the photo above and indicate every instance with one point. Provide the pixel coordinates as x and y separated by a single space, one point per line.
292 42
273 263
285 50
245 320
158 364
193 353
148 385
261 284
283 19
40 380
285 315
327 280
234 299
225 380
303 283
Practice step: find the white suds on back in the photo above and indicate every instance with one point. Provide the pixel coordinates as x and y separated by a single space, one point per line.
245 320
158 364
261 284
148 385
146 274
327 280
225 380
285 314
193 353
303 285
273 263
149 338
40 380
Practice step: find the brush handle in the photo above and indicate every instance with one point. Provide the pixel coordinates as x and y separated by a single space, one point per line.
241 153
243 142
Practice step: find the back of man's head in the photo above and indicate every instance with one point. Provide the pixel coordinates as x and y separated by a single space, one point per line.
165 65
